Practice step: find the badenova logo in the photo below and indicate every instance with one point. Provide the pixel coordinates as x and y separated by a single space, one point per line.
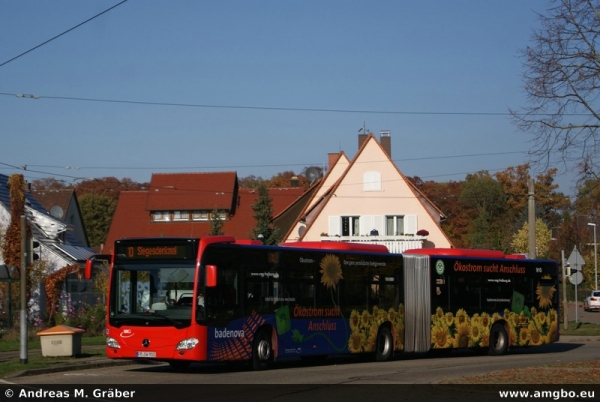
226 333
439 267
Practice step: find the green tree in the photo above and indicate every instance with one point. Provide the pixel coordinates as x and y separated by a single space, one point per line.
486 201
543 237
97 213
216 223
263 213
480 235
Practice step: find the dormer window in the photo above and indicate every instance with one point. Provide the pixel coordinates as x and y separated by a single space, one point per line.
200 215
161 216
181 215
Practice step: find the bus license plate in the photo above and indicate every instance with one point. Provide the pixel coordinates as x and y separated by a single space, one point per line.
145 354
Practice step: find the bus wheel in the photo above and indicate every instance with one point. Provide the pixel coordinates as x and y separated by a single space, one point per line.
384 345
179 365
498 340
262 351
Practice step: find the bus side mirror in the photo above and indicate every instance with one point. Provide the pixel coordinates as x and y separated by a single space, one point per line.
211 276
88 269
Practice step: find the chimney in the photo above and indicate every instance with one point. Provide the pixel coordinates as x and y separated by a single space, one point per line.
385 139
361 139
332 159
294 181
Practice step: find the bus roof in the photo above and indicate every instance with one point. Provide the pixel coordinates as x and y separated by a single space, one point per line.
335 245
461 252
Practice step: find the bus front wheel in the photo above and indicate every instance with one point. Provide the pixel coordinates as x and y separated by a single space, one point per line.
498 340
262 351
385 344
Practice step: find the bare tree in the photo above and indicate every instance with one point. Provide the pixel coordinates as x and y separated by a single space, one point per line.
562 83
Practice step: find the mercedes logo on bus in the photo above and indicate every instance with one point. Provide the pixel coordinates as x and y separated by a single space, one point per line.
145 343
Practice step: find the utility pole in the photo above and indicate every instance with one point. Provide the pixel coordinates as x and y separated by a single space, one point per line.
23 313
531 213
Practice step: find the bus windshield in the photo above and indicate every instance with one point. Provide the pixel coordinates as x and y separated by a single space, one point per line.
152 294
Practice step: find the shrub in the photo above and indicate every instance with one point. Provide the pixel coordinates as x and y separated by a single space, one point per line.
89 317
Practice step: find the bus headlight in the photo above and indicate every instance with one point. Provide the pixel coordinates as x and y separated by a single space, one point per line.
187 344
112 343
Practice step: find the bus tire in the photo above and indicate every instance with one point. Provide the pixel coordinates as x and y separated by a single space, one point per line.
498 340
385 345
262 350
179 365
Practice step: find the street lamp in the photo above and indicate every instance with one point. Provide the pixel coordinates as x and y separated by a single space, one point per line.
595 256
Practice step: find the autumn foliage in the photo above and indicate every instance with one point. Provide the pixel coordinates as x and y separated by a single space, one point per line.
53 286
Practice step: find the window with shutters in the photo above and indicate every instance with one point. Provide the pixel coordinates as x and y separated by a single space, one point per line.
394 225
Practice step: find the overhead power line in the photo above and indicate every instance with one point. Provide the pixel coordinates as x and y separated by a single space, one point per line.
279 109
253 166
61 34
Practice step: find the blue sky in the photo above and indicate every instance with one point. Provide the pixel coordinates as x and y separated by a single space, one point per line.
261 87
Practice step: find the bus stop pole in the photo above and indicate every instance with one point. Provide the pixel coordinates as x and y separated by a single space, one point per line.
23 313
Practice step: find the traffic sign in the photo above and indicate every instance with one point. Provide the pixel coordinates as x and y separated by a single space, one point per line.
575 260
576 278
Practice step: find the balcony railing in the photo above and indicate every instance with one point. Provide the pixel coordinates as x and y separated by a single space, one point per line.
395 244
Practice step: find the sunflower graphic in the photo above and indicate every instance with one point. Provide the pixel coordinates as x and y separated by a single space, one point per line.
438 316
535 337
392 315
476 333
461 317
524 336
354 320
440 337
485 320
365 319
331 271
545 293
462 336
355 342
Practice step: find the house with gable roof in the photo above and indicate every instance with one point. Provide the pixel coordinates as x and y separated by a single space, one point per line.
369 200
63 204
182 204
56 248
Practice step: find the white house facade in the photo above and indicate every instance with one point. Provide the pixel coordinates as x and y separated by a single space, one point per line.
370 200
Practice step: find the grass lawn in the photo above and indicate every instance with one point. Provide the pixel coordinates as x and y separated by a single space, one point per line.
581 329
11 343
38 361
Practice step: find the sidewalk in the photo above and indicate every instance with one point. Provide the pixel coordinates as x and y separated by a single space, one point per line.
98 361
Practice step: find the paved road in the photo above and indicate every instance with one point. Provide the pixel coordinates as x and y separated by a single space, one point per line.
428 369
592 317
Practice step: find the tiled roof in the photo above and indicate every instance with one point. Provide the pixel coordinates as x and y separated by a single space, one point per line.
131 219
51 198
186 191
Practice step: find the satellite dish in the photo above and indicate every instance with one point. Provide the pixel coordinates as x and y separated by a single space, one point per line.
57 212
312 174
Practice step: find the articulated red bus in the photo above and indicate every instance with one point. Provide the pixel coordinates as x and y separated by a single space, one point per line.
215 299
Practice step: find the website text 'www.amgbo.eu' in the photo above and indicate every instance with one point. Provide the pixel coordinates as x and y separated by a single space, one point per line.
555 395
